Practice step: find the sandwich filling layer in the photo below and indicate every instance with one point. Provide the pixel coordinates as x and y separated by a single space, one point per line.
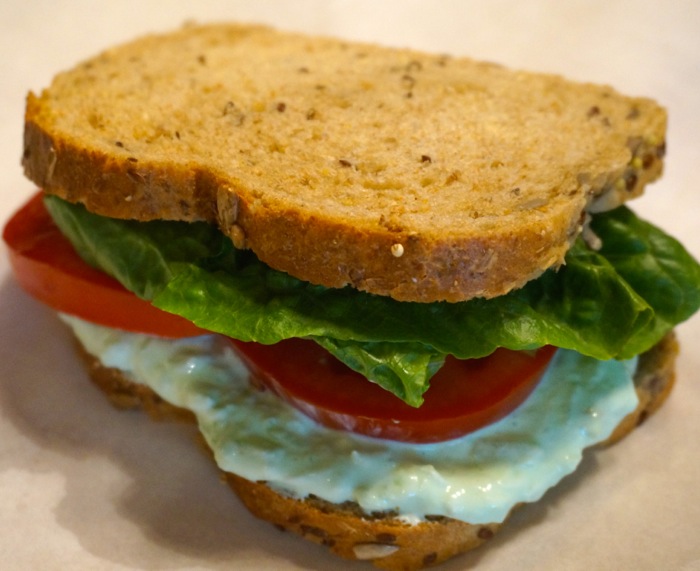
615 302
477 478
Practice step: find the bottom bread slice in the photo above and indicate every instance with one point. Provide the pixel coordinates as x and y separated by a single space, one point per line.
383 538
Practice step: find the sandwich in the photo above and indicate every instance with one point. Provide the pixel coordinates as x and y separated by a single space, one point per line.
400 293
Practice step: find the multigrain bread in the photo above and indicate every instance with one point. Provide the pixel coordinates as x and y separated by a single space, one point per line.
295 144
382 538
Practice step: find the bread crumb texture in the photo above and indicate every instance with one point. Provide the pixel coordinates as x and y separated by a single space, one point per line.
327 158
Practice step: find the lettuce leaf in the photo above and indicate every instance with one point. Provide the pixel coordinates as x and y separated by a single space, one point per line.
611 303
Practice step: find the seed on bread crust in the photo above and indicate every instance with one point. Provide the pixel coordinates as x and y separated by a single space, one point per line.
397 250
373 550
238 237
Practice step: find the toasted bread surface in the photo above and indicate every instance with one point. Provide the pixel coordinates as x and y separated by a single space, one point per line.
385 539
414 175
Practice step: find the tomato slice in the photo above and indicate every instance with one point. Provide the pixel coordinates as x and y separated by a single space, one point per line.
47 267
464 395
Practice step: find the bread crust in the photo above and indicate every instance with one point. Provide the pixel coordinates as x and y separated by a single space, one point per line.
383 538
340 162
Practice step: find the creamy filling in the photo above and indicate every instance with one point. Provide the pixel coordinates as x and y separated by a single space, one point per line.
477 478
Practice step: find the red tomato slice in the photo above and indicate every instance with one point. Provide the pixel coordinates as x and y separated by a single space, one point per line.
47 267
465 395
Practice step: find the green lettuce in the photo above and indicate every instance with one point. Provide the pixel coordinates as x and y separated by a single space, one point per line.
612 303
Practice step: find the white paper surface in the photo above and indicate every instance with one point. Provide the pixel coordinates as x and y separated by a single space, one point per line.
83 486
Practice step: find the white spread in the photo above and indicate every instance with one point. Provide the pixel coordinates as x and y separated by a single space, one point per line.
477 478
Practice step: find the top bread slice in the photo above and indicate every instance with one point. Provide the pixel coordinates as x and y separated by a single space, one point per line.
418 176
